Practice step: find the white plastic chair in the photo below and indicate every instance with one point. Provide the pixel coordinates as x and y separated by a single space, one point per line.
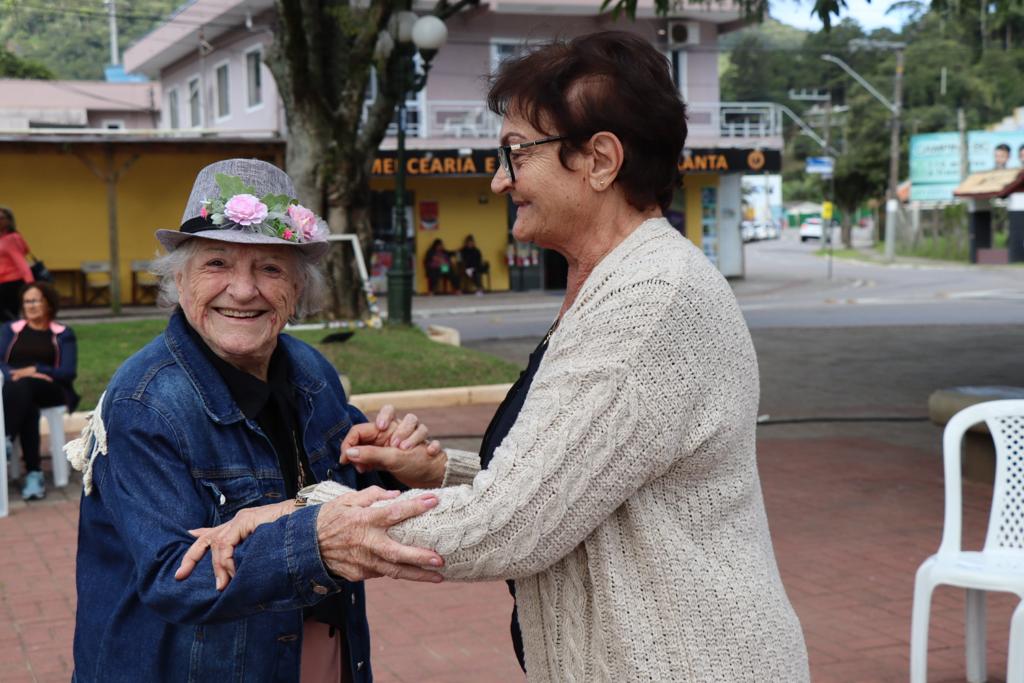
55 419
999 566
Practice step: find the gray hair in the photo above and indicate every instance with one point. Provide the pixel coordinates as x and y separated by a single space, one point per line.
310 278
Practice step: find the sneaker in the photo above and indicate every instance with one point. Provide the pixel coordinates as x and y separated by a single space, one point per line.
35 488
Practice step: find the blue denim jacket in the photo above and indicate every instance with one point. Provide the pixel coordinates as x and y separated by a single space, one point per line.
180 455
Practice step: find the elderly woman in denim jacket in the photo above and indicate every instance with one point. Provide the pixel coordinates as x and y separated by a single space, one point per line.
217 417
40 361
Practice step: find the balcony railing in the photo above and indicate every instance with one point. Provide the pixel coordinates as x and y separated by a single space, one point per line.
471 119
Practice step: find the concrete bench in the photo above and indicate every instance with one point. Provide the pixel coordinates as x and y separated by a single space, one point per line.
979 457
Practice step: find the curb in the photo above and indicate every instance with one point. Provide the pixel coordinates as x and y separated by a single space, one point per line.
445 397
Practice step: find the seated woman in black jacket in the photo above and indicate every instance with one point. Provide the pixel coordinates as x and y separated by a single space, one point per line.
40 360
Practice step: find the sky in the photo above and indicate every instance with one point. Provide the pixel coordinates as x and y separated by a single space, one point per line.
870 15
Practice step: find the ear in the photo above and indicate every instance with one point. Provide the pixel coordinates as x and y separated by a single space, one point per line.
606 160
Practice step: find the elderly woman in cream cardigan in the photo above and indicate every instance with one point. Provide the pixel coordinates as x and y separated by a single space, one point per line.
620 491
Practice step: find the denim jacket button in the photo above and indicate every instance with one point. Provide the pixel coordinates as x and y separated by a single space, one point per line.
223 499
359 666
319 590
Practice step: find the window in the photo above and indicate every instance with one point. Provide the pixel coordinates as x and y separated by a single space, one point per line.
173 117
502 49
223 101
678 58
195 112
253 83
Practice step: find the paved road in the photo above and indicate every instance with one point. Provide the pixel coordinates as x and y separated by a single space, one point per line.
787 285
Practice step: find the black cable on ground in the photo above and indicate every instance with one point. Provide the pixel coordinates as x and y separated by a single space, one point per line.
824 419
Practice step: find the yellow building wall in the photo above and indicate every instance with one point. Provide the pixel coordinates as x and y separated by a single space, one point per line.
61 206
692 184
466 206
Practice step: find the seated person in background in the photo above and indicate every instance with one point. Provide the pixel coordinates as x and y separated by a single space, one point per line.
438 264
473 263
39 364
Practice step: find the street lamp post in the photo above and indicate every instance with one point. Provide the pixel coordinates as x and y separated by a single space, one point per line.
426 34
894 107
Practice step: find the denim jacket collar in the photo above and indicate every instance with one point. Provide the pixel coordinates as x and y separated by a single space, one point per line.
213 392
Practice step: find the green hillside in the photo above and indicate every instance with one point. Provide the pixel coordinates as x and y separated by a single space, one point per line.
71 37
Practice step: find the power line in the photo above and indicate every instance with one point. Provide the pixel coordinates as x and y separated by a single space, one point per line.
129 16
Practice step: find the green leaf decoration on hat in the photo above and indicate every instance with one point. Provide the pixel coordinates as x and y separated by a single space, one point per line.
232 185
277 202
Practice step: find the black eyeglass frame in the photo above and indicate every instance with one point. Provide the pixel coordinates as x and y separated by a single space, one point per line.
505 153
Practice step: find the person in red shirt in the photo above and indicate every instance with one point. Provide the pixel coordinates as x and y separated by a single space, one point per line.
15 272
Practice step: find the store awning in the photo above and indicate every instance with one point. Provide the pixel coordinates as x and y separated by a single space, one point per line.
991 184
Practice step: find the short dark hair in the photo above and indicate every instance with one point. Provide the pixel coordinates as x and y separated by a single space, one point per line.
13 227
48 292
1003 146
611 81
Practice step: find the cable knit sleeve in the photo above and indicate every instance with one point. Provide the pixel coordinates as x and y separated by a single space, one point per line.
593 430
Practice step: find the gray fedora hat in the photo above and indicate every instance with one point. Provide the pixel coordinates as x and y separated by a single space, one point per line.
247 201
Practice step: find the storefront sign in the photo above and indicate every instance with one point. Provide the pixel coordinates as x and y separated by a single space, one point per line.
484 162
730 160
437 162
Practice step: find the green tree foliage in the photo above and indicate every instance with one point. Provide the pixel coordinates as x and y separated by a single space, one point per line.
982 75
70 37
13 66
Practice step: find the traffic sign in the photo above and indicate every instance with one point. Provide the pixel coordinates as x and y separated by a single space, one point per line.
820 165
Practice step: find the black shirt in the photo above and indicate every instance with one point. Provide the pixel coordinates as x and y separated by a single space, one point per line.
497 430
33 347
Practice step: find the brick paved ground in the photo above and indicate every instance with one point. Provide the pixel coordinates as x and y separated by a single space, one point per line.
852 516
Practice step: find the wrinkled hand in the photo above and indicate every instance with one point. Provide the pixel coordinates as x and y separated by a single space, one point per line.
385 430
396 447
421 467
221 541
354 542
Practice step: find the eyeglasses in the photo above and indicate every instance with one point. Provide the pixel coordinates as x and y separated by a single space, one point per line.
505 153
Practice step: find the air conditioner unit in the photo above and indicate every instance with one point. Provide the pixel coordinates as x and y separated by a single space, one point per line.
683 33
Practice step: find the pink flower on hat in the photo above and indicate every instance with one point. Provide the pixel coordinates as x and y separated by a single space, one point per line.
305 220
245 209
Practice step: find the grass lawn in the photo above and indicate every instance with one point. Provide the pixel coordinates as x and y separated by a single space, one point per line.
375 360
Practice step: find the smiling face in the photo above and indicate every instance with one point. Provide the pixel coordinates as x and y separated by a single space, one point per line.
549 198
238 298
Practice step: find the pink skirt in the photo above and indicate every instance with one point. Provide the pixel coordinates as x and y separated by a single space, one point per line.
321 654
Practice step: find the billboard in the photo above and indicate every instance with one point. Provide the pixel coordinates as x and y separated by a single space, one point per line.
935 159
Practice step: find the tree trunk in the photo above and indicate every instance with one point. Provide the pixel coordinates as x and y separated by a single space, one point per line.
847 229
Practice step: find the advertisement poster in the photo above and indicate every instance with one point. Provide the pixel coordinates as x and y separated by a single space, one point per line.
988 150
935 159
428 215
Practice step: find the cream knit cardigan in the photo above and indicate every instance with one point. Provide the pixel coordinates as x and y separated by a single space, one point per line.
625 501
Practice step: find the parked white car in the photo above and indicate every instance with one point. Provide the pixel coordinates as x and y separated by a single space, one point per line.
810 229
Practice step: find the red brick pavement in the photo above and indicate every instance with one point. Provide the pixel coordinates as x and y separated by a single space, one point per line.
852 518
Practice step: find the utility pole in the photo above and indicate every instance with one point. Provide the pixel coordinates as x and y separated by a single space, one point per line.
115 53
892 203
961 126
